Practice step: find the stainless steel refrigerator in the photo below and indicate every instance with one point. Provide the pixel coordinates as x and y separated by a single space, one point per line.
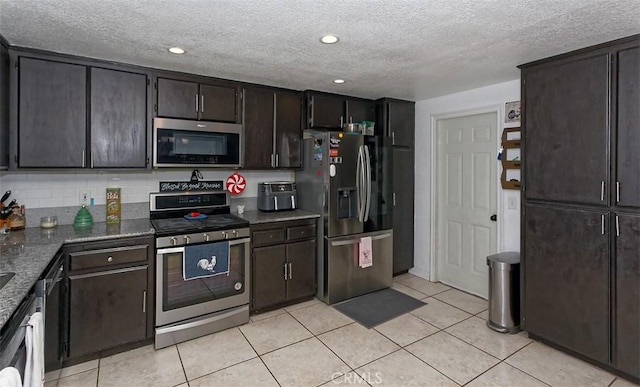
347 179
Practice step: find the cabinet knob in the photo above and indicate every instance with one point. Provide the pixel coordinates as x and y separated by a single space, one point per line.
110 259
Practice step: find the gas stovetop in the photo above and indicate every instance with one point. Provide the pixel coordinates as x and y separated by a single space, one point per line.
216 222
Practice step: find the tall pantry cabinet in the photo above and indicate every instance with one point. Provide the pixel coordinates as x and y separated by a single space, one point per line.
581 203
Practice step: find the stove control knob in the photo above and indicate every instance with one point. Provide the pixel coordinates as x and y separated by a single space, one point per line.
186 239
174 241
225 235
205 237
235 233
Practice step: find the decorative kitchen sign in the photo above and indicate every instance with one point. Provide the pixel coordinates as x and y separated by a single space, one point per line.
512 112
174 186
236 183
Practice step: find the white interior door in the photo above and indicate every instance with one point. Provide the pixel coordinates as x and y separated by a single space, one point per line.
466 181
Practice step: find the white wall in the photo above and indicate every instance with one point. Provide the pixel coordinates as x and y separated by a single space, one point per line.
42 189
463 103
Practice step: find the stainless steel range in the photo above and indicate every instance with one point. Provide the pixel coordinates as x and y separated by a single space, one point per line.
202 265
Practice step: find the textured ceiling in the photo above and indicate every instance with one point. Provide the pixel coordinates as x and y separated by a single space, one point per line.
411 49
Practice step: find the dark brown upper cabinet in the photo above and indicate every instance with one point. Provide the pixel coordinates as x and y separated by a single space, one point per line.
118 119
332 111
52 114
568 130
628 130
396 119
273 128
196 100
69 114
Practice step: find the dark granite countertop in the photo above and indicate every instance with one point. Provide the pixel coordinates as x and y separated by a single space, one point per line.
257 217
28 253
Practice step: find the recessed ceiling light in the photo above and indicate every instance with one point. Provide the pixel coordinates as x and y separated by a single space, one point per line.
338 81
329 39
176 50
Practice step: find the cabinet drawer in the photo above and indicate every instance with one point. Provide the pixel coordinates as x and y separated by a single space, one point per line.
301 232
265 237
108 257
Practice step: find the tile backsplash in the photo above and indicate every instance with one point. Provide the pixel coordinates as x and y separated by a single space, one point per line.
43 189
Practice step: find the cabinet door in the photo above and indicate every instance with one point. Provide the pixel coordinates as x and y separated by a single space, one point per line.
267 276
178 99
218 103
288 129
359 110
628 138
258 128
566 264
325 112
301 257
4 107
118 119
52 114
627 294
566 131
402 123
403 184
106 309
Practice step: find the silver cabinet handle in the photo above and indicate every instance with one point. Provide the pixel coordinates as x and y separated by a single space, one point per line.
273 163
202 103
394 199
602 191
285 271
196 103
275 203
277 161
617 192
341 121
83 158
393 138
293 202
110 259
617 225
290 271
602 224
91 157
144 301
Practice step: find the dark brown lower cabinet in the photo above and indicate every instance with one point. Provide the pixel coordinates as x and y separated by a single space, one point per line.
567 278
283 263
110 297
107 309
627 294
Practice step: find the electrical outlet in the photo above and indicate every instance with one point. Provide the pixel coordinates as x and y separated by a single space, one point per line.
512 203
85 196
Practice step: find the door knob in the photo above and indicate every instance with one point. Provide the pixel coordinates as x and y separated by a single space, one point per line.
494 217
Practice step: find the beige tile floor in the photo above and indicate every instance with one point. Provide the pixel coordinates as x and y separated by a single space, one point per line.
444 343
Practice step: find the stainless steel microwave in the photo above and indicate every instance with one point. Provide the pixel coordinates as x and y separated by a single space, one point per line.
185 143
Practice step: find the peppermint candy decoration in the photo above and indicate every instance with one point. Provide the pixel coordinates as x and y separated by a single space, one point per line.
236 183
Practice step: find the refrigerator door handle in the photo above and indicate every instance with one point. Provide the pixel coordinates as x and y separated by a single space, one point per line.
357 240
368 181
359 184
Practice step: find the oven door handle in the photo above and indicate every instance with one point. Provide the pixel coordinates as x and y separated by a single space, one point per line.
170 250
180 249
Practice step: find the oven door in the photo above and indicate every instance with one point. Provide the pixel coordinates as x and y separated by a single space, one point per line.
178 299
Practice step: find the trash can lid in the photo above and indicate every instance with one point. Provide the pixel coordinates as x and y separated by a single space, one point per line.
508 257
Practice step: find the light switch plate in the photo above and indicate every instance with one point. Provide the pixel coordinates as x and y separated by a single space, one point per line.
512 203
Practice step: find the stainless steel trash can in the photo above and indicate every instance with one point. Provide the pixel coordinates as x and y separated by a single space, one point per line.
504 292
